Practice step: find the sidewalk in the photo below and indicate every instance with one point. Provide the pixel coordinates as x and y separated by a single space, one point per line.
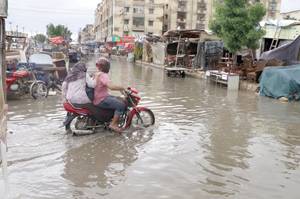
244 85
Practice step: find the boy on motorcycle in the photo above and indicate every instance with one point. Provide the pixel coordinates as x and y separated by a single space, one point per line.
102 98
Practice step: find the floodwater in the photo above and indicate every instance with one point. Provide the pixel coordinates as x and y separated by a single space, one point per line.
207 143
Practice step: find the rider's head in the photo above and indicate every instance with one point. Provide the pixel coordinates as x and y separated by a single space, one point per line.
103 65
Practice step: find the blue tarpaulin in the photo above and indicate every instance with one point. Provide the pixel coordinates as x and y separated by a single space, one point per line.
277 82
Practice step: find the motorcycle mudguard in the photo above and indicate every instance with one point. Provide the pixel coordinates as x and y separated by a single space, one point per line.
132 113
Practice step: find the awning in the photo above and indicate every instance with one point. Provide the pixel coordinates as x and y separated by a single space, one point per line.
193 33
57 40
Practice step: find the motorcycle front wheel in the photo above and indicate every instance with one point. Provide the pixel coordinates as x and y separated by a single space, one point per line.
143 119
38 90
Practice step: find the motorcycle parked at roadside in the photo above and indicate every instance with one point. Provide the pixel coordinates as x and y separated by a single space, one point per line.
26 80
80 121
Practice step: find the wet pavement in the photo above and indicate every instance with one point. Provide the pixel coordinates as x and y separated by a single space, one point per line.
207 143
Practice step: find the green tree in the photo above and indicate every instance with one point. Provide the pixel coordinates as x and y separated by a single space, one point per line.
40 38
237 23
59 30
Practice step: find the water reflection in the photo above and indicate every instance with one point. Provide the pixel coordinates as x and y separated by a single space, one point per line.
100 165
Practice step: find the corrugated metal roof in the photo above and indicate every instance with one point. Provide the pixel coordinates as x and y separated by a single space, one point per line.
287 33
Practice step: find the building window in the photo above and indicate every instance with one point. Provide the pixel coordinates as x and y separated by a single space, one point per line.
151 1
139 10
127 9
126 21
201 17
151 10
150 23
166 16
138 21
200 26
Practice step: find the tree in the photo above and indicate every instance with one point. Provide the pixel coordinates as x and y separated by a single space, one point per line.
237 23
40 38
59 30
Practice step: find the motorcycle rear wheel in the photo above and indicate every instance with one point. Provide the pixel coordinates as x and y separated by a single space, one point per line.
143 119
79 126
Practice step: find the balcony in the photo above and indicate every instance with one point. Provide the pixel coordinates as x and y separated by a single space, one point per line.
139 28
181 20
200 26
201 11
181 9
138 2
138 14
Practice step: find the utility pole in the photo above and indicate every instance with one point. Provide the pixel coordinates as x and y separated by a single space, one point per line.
113 17
3 106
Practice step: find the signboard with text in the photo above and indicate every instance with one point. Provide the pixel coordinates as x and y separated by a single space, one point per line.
3 8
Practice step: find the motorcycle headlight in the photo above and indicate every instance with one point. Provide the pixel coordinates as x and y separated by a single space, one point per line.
14 87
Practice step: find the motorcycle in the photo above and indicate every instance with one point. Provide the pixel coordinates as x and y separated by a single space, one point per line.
24 81
80 121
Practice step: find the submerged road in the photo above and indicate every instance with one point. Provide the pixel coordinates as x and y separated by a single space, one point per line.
207 143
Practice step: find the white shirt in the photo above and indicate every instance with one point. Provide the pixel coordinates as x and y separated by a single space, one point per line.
75 92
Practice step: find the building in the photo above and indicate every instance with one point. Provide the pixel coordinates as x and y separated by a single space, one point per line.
188 14
87 34
196 14
118 18
273 8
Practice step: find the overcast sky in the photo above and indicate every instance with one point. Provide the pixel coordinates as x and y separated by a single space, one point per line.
34 15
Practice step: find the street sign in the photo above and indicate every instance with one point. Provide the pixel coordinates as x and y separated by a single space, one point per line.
3 8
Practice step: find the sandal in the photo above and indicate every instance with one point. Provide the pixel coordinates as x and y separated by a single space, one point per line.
115 128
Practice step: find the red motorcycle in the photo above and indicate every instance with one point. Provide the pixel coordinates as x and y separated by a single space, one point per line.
21 82
80 121
15 82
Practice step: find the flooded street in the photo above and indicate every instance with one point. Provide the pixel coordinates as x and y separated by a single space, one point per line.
207 143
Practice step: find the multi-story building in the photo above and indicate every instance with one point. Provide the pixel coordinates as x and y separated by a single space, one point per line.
196 14
136 17
273 8
118 18
188 14
87 34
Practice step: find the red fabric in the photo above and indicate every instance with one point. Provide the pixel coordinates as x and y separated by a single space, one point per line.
57 40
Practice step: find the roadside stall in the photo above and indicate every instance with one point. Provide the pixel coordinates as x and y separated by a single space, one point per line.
181 50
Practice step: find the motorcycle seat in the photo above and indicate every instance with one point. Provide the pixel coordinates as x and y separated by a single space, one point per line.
72 109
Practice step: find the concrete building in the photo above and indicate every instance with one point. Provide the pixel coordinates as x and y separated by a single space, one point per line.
119 18
196 14
272 8
87 34
137 17
188 14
